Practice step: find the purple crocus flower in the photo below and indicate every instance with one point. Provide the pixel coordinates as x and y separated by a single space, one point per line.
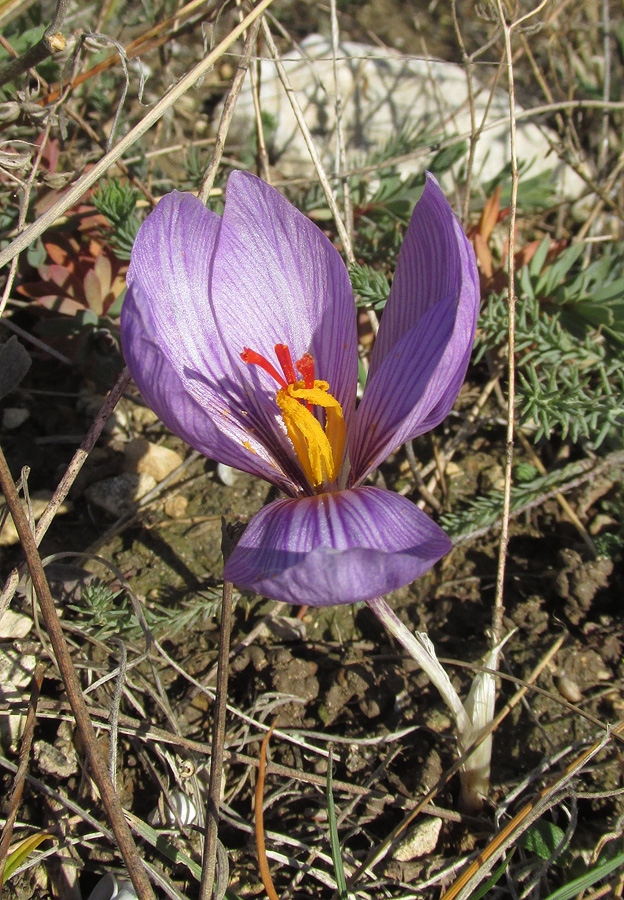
240 333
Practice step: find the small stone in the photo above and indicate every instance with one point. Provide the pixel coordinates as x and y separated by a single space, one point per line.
14 625
175 506
16 674
569 689
38 503
54 761
13 417
420 842
227 475
120 494
151 459
143 416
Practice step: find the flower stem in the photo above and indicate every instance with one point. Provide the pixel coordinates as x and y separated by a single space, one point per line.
416 646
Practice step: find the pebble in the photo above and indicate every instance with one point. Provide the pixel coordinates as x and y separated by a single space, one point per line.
420 842
14 625
38 503
569 689
227 475
119 494
143 457
16 673
13 417
175 506
112 888
182 804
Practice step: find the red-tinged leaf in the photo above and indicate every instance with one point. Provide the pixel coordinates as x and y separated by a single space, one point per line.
58 255
61 277
483 255
490 215
104 272
93 293
64 305
526 254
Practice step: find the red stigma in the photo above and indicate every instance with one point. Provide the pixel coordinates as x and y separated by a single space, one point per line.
305 367
255 359
285 360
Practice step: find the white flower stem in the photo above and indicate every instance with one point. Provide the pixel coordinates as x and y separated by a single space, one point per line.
470 718
426 659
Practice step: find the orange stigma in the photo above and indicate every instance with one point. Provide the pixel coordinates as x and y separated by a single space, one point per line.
319 450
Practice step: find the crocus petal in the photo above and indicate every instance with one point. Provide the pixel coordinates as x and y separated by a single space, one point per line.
434 262
177 401
188 369
277 279
170 263
335 548
416 374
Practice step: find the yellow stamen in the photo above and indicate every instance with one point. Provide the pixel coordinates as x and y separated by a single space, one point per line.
319 451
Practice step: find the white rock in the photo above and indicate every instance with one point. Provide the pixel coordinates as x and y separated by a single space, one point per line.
112 888
184 808
419 842
227 475
14 625
16 673
384 93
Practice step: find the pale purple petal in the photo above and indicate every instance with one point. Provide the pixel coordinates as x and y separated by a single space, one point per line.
277 279
435 260
416 378
187 375
335 548
186 407
170 262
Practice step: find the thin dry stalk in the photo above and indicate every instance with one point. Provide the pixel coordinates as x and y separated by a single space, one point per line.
497 618
227 113
20 775
218 742
309 141
78 460
110 798
255 74
154 115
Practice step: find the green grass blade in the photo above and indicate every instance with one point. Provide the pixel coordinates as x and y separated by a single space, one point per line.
341 884
574 888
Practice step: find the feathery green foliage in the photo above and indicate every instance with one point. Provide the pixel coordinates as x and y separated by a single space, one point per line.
117 201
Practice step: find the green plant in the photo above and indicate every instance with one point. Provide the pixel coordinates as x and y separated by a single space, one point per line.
116 200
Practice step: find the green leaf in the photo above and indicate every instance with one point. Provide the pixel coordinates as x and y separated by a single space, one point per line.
539 257
492 880
341 884
22 851
543 838
578 885
444 159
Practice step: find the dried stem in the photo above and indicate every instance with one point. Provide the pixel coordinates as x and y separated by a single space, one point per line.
20 775
218 736
78 460
97 763
228 111
89 178
309 141
52 42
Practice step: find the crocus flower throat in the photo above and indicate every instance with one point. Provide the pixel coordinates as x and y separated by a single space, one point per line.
319 451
